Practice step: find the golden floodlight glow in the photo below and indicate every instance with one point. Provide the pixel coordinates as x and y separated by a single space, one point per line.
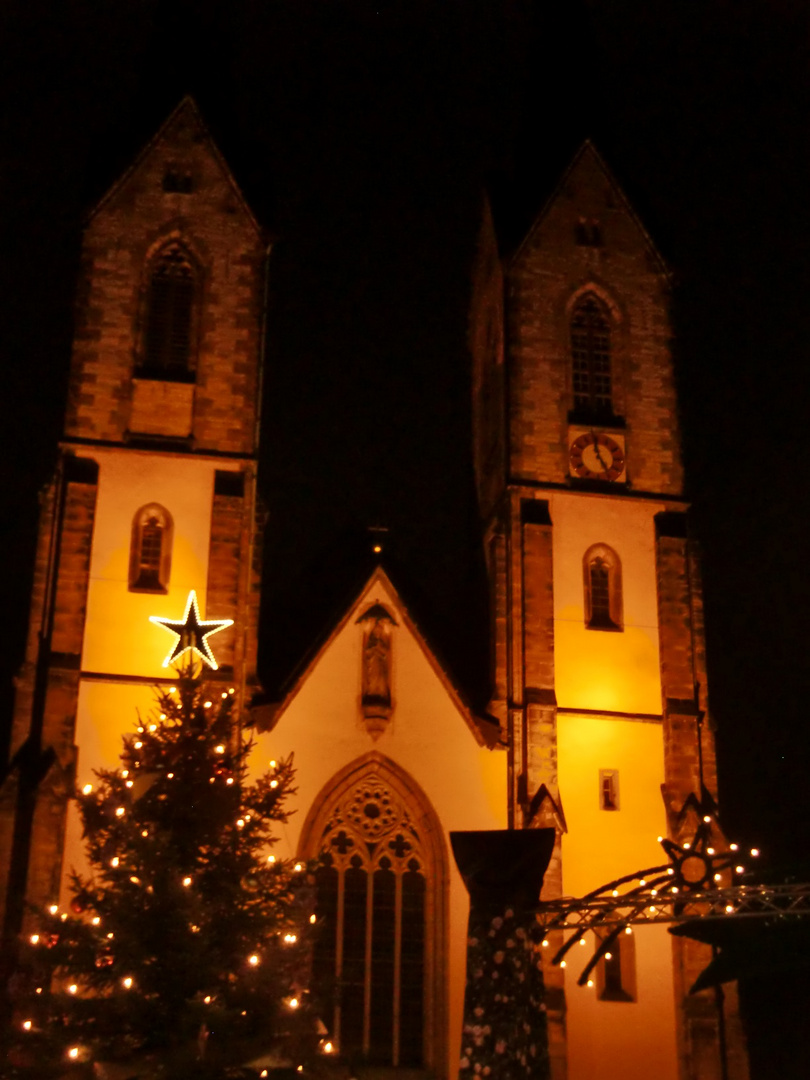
191 633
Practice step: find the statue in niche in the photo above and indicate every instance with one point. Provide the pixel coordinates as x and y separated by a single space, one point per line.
376 674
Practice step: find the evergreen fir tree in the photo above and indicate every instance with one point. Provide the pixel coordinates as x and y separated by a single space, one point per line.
185 949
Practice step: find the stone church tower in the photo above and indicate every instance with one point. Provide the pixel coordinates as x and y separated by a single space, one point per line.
155 488
598 649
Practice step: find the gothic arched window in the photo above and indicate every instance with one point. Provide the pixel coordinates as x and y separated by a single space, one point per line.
375 959
602 578
169 316
150 549
590 356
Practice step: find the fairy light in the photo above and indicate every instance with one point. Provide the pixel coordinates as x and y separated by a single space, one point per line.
642 882
224 695
135 880
707 819
718 877
608 955
144 832
231 690
125 773
186 881
313 919
271 859
729 909
734 847
686 845
229 780
298 867
34 939
153 727
39 989
739 869
138 745
127 982
120 811
545 943
129 783
87 789
253 960
660 838
710 851
207 999
73 1053
292 938
140 730
293 1002
582 941
219 749
590 982
172 689
73 989
114 861
272 765
328 1048
53 909
170 776
191 628
96 921
563 963
63 916
207 704
263 1074
26 1025
755 852
110 936
240 824
274 783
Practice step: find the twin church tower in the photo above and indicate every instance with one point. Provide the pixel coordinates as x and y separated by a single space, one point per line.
596 617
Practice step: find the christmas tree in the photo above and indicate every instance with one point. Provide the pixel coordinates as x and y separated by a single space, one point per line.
184 951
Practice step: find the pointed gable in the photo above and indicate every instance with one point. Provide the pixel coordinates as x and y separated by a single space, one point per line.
588 209
180 159
409 672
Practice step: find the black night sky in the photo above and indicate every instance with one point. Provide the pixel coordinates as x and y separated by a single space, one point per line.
363 133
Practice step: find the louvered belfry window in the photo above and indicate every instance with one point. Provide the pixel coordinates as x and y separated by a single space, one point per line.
150 549
369 957
590 356
602 579
169 316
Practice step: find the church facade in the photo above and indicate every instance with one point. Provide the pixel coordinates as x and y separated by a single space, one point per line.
597 633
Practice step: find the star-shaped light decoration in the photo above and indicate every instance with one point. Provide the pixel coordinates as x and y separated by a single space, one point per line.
191 632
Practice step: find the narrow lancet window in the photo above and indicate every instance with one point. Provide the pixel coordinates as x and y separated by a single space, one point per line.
150 550
171 293
602 579
590 356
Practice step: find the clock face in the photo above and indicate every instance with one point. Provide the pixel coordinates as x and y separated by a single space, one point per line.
595 456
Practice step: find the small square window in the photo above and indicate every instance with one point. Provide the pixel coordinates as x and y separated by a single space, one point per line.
609 789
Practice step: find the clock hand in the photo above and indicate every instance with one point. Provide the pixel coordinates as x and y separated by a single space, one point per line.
598 452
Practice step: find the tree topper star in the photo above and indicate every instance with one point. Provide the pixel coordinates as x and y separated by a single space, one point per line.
192 633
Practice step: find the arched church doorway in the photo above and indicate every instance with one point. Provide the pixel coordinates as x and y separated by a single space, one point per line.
379 963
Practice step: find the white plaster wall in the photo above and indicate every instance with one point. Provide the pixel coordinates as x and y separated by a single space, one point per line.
597 669
428 737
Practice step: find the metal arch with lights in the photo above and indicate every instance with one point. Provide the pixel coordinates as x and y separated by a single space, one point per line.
678 891
191 633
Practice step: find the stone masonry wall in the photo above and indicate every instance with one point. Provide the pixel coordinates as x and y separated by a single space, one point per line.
544 280
128 227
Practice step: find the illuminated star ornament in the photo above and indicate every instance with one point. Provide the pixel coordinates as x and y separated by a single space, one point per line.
191 632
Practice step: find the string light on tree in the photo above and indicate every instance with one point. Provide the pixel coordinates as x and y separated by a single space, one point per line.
159 923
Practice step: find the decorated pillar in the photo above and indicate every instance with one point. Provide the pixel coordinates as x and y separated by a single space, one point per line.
504 1035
